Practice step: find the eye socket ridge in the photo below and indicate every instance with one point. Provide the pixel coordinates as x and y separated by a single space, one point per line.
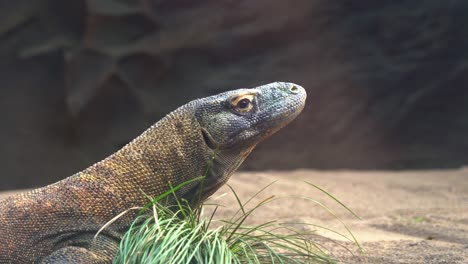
243 103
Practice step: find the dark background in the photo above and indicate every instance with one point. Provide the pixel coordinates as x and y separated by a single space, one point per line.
386 80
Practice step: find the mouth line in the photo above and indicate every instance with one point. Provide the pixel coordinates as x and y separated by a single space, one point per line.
291 114
282 121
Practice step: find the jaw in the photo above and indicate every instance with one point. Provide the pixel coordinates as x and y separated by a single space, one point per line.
248 139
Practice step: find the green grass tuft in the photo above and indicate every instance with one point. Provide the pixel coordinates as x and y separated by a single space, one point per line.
180 235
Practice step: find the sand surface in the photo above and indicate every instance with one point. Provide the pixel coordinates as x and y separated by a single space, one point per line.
407 217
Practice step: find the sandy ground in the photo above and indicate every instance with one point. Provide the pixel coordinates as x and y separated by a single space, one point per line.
406 217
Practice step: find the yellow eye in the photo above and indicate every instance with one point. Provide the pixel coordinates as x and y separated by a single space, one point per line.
243 103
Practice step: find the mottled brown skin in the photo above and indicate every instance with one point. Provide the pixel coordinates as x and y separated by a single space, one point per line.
57 223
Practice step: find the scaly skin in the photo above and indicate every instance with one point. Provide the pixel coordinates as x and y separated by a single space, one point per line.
57 223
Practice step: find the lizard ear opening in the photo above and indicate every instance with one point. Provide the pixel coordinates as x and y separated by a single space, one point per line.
208 139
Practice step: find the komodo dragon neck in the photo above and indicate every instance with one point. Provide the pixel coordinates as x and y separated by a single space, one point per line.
171 151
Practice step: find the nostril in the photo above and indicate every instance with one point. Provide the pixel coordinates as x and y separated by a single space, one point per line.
294 89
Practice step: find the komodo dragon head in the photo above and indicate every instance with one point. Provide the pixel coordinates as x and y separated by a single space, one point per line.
234 122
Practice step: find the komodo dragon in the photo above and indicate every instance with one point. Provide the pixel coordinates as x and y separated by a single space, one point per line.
57 223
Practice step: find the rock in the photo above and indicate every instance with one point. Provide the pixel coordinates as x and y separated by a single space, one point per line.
386 82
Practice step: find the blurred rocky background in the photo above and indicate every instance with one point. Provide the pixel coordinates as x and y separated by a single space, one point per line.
386 80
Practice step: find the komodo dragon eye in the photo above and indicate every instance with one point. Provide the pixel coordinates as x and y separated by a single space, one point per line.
243 103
